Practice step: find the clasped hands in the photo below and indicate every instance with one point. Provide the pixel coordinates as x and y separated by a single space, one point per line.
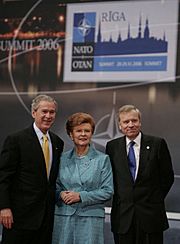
70 197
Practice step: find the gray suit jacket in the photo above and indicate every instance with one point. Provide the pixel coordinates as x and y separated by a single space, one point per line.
144 197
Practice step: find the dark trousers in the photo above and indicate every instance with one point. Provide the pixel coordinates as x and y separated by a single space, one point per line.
16 236
43 235
136 235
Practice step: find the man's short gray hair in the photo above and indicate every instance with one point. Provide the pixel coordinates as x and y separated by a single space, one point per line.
128 108
39 98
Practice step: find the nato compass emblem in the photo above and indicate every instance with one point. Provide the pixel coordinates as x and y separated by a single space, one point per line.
84 27
107 128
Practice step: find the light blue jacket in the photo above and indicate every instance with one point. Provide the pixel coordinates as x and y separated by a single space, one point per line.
95 184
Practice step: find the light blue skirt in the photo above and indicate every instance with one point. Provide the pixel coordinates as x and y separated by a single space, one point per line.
78 230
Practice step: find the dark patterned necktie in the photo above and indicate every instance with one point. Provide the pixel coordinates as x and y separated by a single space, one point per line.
132 159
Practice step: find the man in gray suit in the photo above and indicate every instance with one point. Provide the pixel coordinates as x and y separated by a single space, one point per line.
27 187
138 213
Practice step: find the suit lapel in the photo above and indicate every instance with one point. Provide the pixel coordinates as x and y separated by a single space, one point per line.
73 168
86 170
34 141
122 160
146 146
55 156
35 148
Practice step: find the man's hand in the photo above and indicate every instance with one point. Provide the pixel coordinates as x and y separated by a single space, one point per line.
6 218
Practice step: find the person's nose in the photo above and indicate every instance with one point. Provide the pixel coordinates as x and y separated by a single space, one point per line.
83 132
48 115
131 124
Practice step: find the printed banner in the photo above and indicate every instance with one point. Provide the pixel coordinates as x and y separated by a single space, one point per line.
121 41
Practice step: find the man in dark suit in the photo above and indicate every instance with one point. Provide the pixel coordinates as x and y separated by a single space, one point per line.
27 188
138 213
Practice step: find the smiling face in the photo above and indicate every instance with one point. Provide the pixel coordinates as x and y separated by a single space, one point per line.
130 124
81 135
44 115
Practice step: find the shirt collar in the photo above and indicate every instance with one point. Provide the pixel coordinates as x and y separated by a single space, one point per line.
39 132
137 140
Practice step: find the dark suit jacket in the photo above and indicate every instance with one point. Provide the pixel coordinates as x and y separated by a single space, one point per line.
24 186
144 197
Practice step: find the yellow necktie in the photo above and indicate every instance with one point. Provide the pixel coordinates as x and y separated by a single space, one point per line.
45 147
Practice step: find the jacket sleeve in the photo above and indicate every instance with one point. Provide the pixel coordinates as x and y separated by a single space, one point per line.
165 168
8 166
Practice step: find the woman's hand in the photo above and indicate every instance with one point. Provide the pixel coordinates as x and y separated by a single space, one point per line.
70 197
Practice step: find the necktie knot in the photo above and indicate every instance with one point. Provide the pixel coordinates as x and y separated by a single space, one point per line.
45 138
132 143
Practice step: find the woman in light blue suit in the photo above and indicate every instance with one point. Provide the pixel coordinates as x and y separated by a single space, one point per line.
84 184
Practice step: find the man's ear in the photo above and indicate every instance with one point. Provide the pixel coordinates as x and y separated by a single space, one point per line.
33 114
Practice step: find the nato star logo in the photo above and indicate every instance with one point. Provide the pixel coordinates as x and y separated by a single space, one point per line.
107 128
84 27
